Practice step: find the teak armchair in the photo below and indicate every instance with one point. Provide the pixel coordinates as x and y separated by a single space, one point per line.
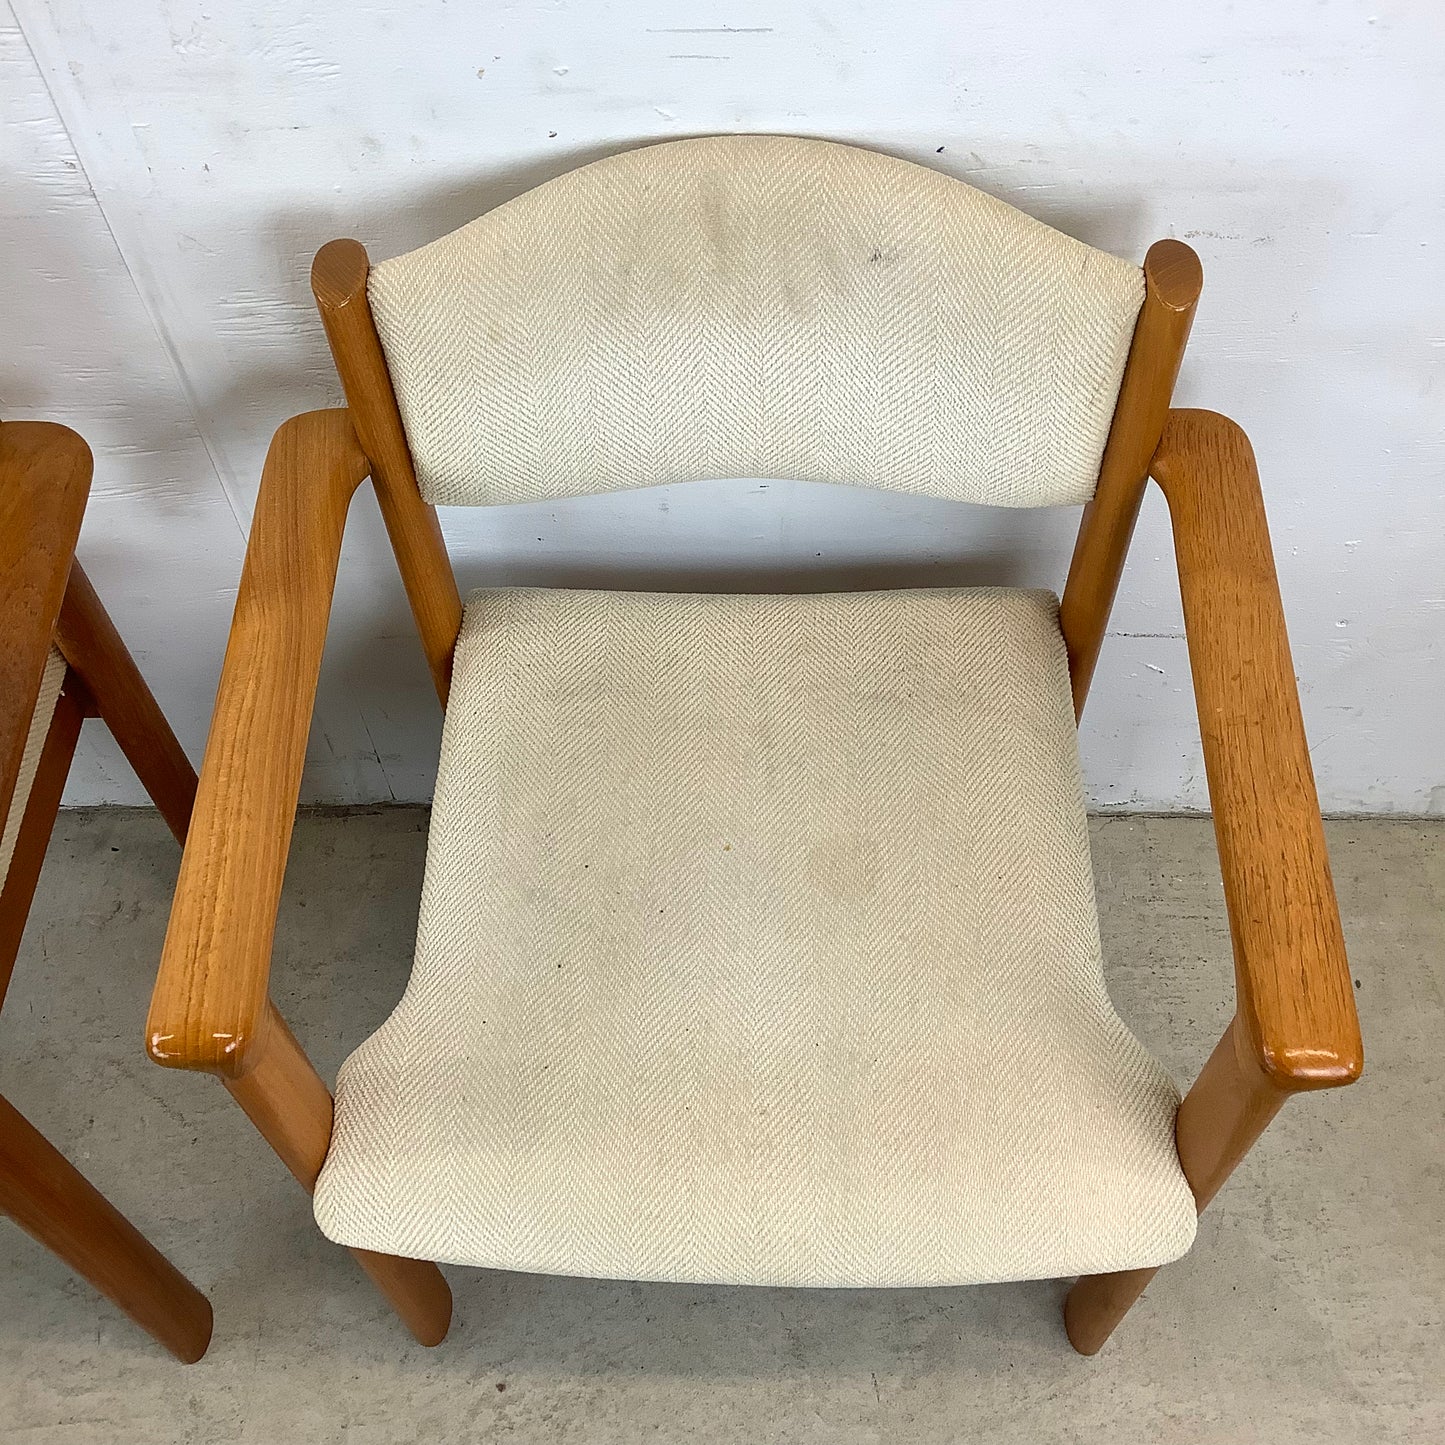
757 942
61 660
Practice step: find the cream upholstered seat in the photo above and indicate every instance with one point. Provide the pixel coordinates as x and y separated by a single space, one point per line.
758 945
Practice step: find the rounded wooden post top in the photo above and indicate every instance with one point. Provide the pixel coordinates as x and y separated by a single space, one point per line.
339 272
1173 274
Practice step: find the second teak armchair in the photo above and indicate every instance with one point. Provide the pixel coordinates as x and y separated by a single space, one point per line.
758 942
62 661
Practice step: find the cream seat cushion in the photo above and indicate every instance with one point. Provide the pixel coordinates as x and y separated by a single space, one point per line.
758 945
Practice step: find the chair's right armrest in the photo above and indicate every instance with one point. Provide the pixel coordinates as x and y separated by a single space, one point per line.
209 1008
1294 995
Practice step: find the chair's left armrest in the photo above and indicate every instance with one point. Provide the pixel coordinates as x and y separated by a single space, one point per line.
1295 997
210 1009
44 483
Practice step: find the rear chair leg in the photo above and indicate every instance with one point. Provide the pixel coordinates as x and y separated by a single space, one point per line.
287 1101
95 650
51 1200
1228 1108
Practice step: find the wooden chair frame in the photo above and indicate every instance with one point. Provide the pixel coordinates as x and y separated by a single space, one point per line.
46 600
1295 1027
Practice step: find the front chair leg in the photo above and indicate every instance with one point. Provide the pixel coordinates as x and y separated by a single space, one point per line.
285 1098
50 1199
1228 1108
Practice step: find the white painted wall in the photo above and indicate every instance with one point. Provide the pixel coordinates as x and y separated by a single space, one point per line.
170 166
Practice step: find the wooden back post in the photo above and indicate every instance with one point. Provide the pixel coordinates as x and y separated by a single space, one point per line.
1173 279
338 281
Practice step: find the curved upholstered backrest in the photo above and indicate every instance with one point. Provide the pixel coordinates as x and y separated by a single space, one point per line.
756 306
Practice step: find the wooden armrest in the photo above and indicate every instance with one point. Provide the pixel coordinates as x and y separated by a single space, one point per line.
44 483
1295 998
209 1008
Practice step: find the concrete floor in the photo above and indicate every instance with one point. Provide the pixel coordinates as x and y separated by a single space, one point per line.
1310 1308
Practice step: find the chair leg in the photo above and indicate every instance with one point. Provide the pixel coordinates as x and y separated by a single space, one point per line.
94 648
54 1202
287 1101
1096 1304
17 890
1229 1107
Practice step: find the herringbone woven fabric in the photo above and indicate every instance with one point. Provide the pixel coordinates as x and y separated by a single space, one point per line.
758 945
756 306
51 681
